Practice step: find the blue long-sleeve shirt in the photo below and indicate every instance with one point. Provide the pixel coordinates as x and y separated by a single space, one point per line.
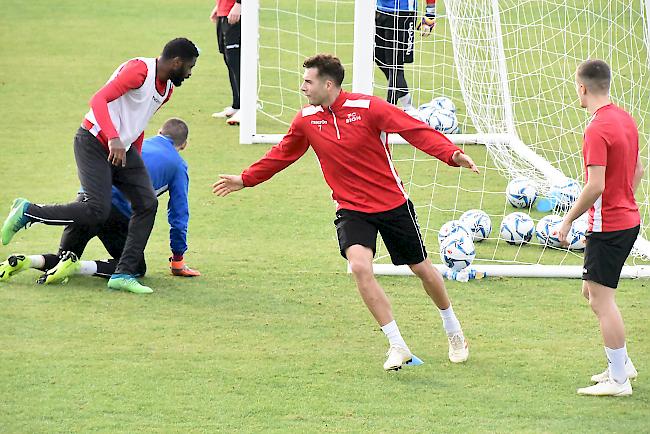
168 172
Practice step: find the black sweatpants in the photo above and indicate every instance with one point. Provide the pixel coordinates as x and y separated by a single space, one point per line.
97 176
229 41
112 234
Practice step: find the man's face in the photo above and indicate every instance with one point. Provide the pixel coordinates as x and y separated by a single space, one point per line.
181 70
315 87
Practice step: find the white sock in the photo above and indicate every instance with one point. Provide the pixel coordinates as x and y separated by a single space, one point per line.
449 320
392 333
88 268
406 101
616 360
36 261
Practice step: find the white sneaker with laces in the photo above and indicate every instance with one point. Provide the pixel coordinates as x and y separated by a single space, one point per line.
608 387
397 356
234 119
630 370
225 113
458 349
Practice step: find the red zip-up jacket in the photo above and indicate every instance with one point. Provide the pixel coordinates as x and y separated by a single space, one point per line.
350 141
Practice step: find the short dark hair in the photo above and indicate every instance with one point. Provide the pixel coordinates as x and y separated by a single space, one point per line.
180 47
595 75
176 129
328 66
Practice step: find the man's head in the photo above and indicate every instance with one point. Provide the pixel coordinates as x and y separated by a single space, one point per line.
322 78
180 54
593 78
177 130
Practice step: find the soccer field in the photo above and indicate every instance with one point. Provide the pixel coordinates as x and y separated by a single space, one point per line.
273 337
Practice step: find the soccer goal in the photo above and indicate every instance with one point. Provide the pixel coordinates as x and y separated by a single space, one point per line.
507 65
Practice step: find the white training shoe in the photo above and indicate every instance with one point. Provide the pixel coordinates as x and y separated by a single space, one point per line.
234 119
225 113
397 356
630 370
608 388
458 349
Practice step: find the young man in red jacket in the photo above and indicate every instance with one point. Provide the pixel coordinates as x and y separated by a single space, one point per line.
349 134
613 171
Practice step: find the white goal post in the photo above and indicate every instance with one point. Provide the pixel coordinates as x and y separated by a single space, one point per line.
509 67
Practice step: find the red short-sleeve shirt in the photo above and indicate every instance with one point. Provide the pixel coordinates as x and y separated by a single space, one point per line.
612 140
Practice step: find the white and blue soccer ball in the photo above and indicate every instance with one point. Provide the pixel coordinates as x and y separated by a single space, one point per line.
521 192
565 193
450 228
478 223
444 121
517 228
577 235
443 103
547 230
457 251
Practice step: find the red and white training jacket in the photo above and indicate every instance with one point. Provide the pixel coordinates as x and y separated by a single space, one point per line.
124 106
350 141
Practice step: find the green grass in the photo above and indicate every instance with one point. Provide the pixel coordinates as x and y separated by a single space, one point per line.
273 337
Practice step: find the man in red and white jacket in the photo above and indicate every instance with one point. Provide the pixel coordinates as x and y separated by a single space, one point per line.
348 133
613 171
107 150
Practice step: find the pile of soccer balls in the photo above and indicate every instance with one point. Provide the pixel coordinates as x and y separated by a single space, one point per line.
439 114
457 237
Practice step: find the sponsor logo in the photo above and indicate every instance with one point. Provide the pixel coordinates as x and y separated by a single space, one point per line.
320 123
156 100
353 117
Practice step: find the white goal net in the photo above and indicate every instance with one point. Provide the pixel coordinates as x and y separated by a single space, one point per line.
507 65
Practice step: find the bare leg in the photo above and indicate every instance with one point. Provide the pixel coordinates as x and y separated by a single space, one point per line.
373 295
432 283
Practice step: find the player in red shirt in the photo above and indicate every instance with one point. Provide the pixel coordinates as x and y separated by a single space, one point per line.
613 171
348 133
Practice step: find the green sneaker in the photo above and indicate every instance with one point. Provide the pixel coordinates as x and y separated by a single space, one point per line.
68 265
13 265
126 282
16 220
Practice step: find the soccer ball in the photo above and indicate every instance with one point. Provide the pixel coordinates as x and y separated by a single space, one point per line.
452 227
521 192
443 103
565 193
457 251
576 236
444 121
478 223
547 230
517 228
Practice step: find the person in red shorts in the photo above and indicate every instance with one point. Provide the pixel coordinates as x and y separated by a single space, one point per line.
348 132
613 171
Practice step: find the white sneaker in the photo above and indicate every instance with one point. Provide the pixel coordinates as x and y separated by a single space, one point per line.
630 370
608 387
234 119
458 349
225 113
397 356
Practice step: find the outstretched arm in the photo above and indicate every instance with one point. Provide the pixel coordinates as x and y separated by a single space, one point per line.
293 146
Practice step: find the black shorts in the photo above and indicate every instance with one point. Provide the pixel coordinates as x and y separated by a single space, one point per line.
398 228
228 35
605 255
394 38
